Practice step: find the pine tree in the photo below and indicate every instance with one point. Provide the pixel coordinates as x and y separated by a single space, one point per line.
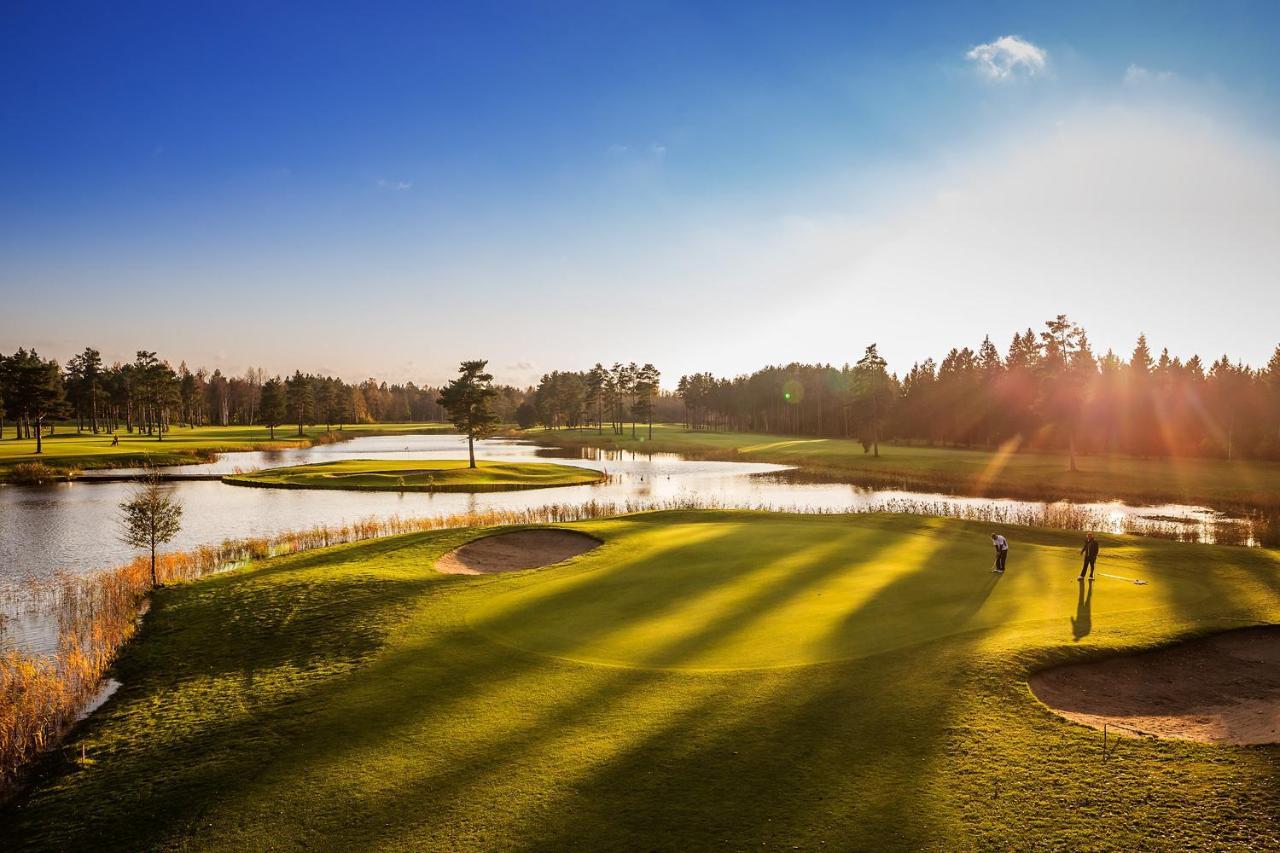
467 399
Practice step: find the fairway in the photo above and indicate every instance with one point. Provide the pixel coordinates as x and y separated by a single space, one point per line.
68 449
420 475
702 679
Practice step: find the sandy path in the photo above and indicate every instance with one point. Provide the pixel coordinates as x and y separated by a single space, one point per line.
513 552
1220 689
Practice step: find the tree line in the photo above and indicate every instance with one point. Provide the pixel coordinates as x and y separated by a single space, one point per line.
149 396
1048 390
578 399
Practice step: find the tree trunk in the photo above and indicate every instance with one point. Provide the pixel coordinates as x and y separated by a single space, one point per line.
40 434
471 450
154 582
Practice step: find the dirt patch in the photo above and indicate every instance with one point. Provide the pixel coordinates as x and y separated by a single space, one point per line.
514 552
1220 689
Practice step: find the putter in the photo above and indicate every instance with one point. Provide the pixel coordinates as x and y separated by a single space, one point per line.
1119 578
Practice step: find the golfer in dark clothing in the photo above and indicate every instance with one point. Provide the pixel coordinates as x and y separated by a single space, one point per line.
1090 551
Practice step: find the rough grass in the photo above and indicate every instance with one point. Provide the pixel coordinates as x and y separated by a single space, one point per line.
353 698
1247 484
419 475
68 451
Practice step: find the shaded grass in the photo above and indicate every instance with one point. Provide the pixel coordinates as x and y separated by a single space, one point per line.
69 451
419 475
1238 484
341 698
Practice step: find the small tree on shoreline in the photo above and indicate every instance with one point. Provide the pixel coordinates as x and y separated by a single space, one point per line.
150 518
467 400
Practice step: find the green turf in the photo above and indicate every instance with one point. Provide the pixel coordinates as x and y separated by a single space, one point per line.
352 698
1040 476
420 475
67 449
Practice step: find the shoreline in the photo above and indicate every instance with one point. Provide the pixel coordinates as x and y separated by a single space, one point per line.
921 479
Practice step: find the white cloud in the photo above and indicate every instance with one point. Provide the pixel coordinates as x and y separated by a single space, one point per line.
1136 75
383 183
1008 56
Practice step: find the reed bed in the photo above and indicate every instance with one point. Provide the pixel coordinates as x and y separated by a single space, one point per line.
43 694
39 474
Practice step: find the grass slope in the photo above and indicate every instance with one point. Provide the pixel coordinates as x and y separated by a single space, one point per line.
419 475
1215 482
352 698
67 449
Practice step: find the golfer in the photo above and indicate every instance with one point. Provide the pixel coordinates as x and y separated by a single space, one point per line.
1090 551
1002 551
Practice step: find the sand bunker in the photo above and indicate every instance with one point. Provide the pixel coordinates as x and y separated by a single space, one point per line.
513 552
1220 689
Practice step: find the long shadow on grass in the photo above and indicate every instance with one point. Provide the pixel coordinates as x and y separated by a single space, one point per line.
424 705
179 733
830 754
427 701
467 776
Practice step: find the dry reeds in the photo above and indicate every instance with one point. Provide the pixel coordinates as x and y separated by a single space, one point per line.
38 474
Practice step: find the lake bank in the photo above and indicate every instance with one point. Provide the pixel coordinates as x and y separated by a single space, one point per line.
1230 486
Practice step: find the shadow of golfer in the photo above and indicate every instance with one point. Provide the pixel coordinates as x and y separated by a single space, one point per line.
970 606
1082 622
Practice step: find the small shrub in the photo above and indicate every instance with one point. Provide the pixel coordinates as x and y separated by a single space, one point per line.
36 474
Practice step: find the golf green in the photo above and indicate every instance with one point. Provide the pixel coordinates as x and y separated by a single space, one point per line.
740 594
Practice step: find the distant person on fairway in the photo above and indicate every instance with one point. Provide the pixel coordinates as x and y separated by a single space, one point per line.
1002 551
1090 551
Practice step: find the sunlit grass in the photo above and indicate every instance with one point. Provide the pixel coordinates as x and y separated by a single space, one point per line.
352 697
419 475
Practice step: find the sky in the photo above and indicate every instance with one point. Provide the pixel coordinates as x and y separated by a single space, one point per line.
382 190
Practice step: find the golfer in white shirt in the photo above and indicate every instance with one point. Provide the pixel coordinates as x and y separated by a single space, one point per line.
1002 551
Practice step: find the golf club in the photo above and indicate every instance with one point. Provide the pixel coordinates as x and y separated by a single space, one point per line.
1119 578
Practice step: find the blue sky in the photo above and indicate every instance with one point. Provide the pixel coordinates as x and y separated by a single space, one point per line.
383 189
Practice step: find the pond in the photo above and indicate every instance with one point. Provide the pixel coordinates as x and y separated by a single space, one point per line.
74 526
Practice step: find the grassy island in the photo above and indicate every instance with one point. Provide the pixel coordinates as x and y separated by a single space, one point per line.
419 475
